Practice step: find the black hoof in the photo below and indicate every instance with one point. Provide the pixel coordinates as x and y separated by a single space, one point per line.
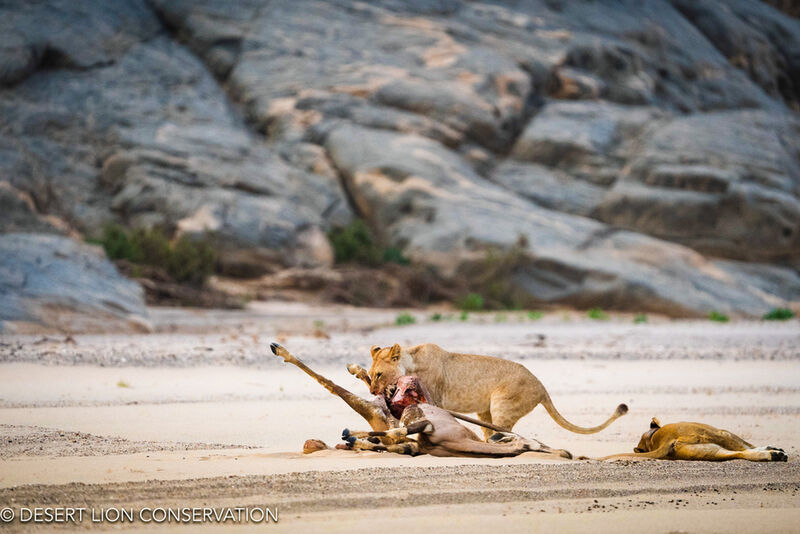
345 433
351 440
274 348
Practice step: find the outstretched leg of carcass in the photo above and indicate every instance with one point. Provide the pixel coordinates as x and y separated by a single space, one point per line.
360 373
373 413
408 447
393 435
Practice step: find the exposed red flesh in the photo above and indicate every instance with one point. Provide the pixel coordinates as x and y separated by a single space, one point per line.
408 393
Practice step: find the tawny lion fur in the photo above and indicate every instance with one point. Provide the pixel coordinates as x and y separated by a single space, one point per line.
697 441
500 391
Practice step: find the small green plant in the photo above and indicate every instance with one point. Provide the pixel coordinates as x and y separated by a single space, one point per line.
464 316
319 324
404 319
436 317
718 317
535 315
357 244
123 384
116 243
500 318
471 302
778 314
640 318
394 255
597 314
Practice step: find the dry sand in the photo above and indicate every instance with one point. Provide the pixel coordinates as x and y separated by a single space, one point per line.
201 414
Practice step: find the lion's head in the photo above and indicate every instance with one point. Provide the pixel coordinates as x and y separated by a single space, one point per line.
645 444
385 368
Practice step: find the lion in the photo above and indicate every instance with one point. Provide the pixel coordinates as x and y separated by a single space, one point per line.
500 391
697 441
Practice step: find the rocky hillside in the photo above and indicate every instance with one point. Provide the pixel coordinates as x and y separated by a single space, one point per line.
631 155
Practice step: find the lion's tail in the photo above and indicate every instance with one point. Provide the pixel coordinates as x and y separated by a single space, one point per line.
621 410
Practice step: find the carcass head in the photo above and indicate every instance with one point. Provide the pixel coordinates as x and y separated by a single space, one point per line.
408 392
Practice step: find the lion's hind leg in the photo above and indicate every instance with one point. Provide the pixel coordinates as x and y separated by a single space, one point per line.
712 452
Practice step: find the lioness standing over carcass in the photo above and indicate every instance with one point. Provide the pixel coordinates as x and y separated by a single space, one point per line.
501 392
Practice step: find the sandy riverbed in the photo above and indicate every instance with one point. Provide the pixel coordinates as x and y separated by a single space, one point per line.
169 418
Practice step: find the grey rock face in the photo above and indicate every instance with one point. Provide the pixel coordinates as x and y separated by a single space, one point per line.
639 155
145 136
726 184
55 283
20 215
442 213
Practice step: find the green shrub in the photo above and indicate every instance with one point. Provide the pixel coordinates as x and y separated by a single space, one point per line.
718 317
778 314
355 243
597 314
436 317
186 260
640 318
191 261
116 243
464 316
150 247
535 315
471 302
404 319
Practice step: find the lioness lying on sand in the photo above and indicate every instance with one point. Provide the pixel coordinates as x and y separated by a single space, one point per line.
696 441
499 391
407 412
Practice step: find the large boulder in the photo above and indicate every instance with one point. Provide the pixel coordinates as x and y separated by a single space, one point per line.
18 214
639 155
426 200
725 183
53 283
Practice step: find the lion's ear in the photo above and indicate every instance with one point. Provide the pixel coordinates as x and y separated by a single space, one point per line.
655 423
395 352
374 350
